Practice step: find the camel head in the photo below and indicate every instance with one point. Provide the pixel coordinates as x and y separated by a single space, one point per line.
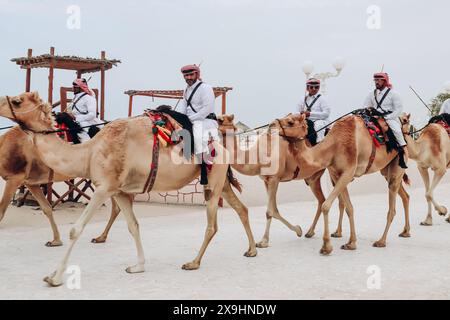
226 123
28 110
405 122
291 126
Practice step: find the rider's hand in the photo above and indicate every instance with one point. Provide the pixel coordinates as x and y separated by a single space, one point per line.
307 113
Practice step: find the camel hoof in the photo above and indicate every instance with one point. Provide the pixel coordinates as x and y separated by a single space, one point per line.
98 240
299 231
379 244
54 243
262 244
441 210
405 234
426 224
52 282
135 269
310 234
336 235
348 246
326 251
190 266
448 219
250 253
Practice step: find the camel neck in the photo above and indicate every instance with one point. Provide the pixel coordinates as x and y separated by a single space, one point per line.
62 157
313 159
413 147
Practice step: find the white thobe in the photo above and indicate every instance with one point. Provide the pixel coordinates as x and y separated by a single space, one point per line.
319 114
85 112
445 108
202 105
393 103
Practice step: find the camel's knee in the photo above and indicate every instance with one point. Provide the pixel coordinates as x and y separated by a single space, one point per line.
133 227
75 233
326 206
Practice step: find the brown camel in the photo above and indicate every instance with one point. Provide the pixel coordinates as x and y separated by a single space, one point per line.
285 171
22 166
345 152
431 151
117 160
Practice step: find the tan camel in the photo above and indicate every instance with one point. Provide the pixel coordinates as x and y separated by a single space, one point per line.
286 171
117 160
21 165
345 151
431 151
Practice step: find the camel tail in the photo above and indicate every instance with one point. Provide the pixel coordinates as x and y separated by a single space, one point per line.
233 181
406 179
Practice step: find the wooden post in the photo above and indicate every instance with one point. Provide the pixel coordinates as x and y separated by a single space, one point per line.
79 74
28 79
224 103
50 78
102 89
130 106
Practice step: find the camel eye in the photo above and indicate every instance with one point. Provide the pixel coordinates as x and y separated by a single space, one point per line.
290 123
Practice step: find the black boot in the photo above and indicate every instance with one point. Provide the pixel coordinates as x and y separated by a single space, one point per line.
401 158
203 174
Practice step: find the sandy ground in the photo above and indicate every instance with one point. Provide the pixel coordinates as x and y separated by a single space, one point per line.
291 268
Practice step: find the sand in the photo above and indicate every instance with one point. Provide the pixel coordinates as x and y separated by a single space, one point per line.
291 268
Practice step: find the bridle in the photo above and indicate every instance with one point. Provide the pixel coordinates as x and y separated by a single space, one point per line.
20 123
285 136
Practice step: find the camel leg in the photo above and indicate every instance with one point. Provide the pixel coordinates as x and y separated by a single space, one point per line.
438 174
272 211
125 203
395 181
242 211
115 210
37 193
344 201
341 184
426 180
316 189
98 198
211 228
8 193
338 232
405 200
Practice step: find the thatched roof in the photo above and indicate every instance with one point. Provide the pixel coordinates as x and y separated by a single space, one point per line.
84 65
171 94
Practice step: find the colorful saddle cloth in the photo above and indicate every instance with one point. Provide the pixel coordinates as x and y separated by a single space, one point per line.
443 120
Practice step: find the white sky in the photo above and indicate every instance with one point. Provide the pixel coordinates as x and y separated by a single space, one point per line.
257 47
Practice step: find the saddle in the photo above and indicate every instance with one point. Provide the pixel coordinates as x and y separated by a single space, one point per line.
443 120
378 129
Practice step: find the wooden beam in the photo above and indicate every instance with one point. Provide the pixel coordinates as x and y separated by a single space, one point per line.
28 79
130 106
50 78
224 103
102 89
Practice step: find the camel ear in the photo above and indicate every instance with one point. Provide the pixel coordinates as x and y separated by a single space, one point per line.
302 117
16 101
408 116
35 96
231 117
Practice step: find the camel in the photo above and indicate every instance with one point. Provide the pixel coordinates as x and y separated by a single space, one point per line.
345 152
118 160
24 167
286 172
431 151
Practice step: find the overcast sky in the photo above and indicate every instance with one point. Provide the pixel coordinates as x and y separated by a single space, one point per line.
256 47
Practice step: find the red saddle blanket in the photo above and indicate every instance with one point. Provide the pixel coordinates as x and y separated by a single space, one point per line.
445 126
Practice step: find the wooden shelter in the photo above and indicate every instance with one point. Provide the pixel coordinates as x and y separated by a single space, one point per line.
81 66
174 94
